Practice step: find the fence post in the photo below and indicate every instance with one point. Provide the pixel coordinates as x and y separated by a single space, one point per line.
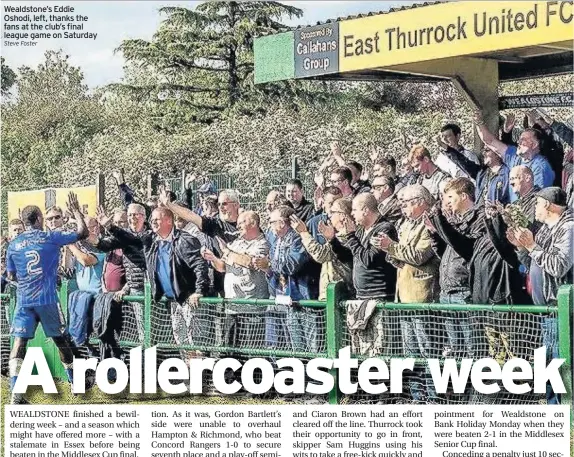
182 187
63 296
11 309
147 315
294 168
565 300
152 183
11 304
331 315
100 189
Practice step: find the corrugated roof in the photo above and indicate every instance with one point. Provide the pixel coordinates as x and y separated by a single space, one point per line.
374 13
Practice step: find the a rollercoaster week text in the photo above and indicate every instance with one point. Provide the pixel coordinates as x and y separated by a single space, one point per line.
292 376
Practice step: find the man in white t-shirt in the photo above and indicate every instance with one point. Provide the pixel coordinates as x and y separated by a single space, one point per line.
244 324
430 176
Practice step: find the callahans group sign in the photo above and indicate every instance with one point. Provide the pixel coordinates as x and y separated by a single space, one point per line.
317 50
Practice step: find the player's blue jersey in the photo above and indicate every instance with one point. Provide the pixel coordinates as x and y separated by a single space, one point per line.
34 257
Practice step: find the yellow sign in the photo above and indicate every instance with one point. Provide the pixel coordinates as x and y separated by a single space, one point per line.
17 201
87 196
451 29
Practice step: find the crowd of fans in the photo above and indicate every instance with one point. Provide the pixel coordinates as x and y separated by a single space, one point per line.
456 229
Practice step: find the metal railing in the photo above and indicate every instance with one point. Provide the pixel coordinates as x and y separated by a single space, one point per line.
253 193
333 311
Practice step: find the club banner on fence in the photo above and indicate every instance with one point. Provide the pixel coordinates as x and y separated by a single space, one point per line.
17 201
563 99
44 198
87 196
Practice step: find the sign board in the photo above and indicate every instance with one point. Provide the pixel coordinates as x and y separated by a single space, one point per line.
449 30
43 198
17 201
87 197
317 50
563 99
415 34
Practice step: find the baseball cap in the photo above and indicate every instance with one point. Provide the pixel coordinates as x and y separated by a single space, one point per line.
554 195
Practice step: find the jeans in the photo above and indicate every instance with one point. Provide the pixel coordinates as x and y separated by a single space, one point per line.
421 385
458 330
244 329
291 328
550 340
415 339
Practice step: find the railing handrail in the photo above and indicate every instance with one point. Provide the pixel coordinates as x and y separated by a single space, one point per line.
531 309
334 319
238 301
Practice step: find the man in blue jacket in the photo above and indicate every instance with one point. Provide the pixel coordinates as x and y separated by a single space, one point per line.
526 153
288 282
176 271
492 180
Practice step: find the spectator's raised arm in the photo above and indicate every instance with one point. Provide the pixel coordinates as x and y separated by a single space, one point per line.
179 211
74 208
85 259
488 138
337 153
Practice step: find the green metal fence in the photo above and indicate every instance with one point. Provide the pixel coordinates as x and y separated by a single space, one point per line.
253 193
5 319
526 322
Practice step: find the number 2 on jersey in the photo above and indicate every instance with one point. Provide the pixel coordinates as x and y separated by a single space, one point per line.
31 266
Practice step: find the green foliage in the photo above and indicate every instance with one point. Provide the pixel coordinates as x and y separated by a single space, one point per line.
57 132
201 60
52 119
8 78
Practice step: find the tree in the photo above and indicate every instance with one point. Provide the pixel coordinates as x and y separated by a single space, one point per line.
8 78
52 117
202 59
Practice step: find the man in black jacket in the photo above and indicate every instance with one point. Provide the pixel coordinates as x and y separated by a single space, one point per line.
493 263
223 226
304 209
133 259
176 271
494 273
454 274
373 276
522 183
